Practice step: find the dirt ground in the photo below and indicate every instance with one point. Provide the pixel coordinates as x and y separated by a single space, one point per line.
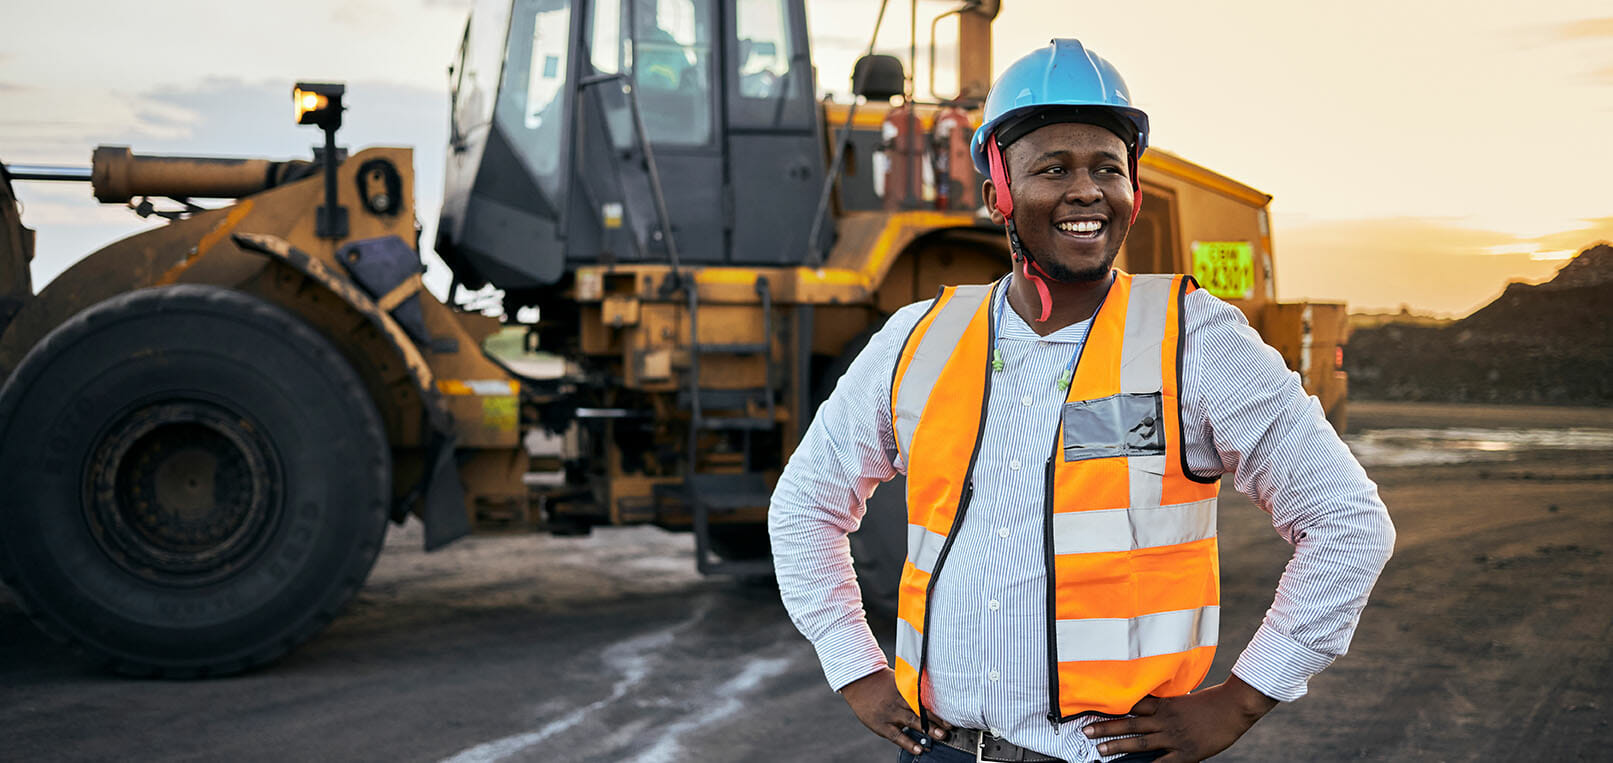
1489 637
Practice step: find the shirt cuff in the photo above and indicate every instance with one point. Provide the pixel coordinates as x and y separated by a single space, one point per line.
1279 666
848 653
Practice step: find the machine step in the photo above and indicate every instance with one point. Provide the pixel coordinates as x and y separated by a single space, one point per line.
720 399
720 493
732 348
737 423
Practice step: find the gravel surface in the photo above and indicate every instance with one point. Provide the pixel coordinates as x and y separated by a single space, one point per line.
1487 639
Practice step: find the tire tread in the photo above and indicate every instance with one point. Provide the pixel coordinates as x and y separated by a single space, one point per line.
233 304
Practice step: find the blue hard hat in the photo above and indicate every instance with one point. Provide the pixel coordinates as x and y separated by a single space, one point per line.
1062 74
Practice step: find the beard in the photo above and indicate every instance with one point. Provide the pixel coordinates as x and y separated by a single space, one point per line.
1059 272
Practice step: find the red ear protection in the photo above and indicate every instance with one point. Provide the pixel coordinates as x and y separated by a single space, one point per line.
999 177
1005 205
1136 191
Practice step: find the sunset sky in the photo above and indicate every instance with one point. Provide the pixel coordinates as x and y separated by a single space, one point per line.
1421 153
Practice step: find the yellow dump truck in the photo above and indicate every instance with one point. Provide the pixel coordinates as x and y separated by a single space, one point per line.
205 427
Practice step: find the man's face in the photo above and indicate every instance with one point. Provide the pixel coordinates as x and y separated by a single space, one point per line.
1072 198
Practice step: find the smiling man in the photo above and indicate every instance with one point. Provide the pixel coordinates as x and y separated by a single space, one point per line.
1063 432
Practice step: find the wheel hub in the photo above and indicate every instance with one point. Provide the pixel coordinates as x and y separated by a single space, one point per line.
183 492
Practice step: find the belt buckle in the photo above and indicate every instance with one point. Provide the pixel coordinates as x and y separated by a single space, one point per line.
980 746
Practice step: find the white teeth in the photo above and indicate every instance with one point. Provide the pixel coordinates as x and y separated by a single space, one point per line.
1082 226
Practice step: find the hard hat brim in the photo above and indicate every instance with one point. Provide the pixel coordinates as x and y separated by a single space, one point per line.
977 145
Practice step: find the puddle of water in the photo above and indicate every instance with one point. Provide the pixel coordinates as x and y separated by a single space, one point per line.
1420 447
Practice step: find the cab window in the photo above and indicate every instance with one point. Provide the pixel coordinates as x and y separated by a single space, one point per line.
671 64
532 106
764 48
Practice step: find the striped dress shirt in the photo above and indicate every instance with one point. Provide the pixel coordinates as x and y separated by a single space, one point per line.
1244 413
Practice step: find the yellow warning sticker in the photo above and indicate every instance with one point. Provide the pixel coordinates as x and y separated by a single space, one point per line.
1225 268
500 413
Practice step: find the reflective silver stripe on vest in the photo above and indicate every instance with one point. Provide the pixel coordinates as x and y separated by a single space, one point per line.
1147 476
1142 371
909 644
1140 364
1138 637
1109 530
924 547
931 355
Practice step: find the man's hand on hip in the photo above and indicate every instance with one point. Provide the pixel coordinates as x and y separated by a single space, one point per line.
1192 727
879 705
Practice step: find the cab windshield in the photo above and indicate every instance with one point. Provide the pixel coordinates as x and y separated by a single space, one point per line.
532 106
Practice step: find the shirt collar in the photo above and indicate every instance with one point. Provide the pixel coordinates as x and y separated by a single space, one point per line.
1014 328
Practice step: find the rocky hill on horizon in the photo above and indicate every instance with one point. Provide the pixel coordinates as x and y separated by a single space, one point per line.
1546 343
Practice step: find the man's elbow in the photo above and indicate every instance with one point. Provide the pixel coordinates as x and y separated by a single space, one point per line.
1383 539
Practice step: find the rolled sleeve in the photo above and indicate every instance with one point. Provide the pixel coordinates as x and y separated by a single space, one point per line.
1279 666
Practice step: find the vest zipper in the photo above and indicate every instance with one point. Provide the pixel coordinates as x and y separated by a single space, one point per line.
1052 593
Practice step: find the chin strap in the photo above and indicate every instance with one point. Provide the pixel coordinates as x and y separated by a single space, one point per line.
1025 265
1005 205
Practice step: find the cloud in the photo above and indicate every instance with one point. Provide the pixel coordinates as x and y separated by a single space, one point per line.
1432 265
1584 29
358 13
1595 231
217 116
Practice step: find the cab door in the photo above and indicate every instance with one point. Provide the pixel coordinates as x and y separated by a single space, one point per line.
661 53
775 154
673 60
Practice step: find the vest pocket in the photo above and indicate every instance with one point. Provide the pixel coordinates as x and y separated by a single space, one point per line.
1118 425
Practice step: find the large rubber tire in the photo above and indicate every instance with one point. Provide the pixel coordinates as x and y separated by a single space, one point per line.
195 482
879 546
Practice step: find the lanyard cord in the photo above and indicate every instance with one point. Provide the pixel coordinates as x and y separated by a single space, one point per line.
997 363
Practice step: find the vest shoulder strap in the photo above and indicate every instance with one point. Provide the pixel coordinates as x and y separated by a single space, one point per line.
926 352
1147 309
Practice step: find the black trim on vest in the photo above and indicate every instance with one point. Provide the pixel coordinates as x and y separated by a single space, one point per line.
1181 352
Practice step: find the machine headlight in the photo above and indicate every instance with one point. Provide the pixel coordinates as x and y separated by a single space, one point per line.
318 103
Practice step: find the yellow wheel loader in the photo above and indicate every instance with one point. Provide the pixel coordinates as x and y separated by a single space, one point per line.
205 427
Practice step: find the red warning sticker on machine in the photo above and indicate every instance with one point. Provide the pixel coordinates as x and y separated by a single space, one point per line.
1225 268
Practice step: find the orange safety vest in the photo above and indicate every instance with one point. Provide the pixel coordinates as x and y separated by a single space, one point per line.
1128 530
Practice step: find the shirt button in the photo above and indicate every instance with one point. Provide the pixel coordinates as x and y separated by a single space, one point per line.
1002 532
993 605
995 732
1026 400
994 675
1015 464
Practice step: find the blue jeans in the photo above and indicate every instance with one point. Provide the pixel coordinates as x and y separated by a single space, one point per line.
940 753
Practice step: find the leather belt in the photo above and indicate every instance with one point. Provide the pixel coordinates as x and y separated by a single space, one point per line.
986 747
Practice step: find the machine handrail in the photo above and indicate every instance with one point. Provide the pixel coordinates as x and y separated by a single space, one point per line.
641 134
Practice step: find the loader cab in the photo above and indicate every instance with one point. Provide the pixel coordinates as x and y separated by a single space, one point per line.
547 167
